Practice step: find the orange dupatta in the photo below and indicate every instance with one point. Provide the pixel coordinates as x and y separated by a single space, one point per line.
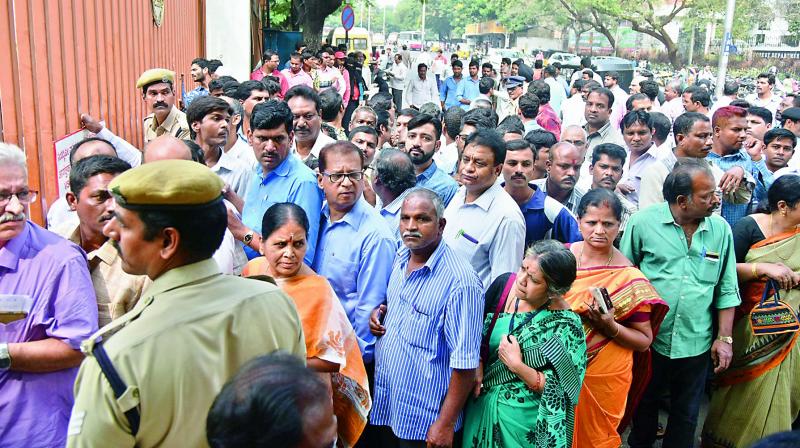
630 293
329 336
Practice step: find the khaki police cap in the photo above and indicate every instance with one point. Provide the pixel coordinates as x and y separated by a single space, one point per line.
167 184
155 75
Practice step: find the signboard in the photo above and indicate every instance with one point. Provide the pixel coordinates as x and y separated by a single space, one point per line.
61 149
348 18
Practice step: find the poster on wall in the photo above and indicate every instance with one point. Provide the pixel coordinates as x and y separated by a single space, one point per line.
61 149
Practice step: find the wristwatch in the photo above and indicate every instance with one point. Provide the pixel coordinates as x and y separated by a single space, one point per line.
248 237
5 357
726 339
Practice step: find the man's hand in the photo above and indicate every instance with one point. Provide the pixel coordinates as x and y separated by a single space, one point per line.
625 188
440 434
721 354
476 391
375 318
754 147
230 195
91 124
731 180
236 226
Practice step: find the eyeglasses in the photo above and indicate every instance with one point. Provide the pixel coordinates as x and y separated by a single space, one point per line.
24 197
335 178
462 136
307 117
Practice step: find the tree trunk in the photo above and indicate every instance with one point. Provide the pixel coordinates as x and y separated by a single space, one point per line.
312 14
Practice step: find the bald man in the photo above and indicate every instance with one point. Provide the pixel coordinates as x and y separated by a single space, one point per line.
563 172
230 256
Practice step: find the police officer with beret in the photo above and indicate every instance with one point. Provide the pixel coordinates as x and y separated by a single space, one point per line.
158 91
150 376
511 88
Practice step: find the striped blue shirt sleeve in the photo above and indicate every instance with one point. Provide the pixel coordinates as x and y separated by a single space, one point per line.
463 323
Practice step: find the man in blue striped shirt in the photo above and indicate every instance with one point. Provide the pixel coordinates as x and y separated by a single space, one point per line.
429 344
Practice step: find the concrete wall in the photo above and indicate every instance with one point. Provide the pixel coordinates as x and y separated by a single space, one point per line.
228 36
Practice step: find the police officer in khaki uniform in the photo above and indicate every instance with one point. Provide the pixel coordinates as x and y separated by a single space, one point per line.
158 91
150 376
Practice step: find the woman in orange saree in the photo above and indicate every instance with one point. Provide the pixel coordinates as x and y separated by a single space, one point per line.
617 341
759 394
331 344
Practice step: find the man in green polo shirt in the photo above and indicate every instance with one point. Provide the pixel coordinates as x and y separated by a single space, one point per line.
687 253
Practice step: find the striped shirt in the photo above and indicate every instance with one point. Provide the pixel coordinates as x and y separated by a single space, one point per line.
433 325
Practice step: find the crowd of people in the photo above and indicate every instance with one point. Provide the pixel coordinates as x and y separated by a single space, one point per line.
318 257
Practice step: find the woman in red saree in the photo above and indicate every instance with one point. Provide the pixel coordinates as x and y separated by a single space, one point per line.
617 342
331 344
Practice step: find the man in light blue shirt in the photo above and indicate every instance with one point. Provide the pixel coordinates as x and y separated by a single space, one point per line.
468 88
450 86
280 179
355 247
423 139
429 344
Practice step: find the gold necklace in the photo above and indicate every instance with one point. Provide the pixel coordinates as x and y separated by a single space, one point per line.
580 256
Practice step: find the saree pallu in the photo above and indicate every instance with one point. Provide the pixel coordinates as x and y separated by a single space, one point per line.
509 414
616 376
329 336
759 394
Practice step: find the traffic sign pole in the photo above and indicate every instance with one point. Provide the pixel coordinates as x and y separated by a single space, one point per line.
348 20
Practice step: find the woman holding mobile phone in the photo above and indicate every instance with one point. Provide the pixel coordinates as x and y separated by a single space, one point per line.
617 341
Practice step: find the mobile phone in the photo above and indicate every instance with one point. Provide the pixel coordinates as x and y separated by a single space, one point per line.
601 298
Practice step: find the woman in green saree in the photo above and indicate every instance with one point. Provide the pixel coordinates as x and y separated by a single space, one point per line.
759 394
529 386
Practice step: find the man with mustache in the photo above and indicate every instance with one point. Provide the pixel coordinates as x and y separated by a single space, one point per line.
563 171
209 119
117 291
637 131
158 93
190 333
688 255
48 308
484 224
597 111
545 218
281 178
429 342
730 131
606 170
306 110
422 142
779 147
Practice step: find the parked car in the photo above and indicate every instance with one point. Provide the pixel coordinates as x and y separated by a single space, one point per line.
565 59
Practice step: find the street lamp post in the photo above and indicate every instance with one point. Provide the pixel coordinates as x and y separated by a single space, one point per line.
423 25
727 42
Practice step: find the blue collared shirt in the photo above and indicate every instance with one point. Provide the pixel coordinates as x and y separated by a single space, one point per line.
291 181
734 212
546 218
467 89
437 181
199 92
433 325
356 254
391 214
448 92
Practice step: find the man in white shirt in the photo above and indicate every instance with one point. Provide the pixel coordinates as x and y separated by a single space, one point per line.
637 131
557 93
420 88
308 140
446 157
209 121
673 106
730 93
764 96
237 146
611 81
398 75
572 109
484 224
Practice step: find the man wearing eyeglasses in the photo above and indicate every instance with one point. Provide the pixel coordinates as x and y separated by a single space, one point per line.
307 121
355 249
47 307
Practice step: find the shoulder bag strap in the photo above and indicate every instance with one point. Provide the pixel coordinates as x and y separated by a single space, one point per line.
501 303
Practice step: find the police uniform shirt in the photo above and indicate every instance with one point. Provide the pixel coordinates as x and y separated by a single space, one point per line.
190 333
175 125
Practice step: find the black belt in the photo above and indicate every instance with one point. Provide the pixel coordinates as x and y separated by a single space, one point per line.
117 385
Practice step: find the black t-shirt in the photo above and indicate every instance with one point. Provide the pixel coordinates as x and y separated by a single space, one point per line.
745 233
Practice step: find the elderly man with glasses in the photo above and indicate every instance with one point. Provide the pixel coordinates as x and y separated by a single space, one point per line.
47 307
